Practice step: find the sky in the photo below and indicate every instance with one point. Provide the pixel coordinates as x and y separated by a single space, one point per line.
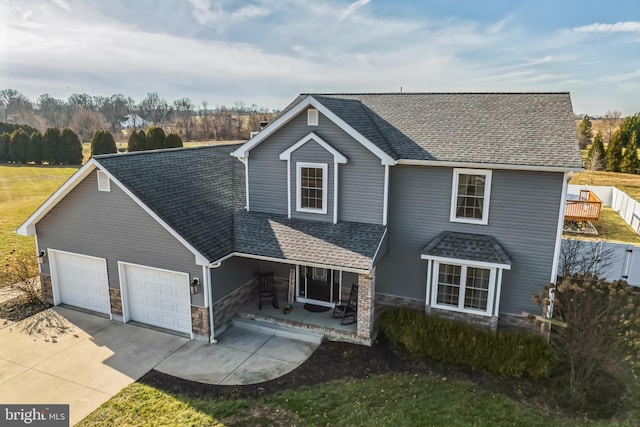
265 52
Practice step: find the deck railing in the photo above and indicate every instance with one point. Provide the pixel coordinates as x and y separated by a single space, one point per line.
586 208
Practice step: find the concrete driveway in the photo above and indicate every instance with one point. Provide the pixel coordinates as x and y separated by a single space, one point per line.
66 356
70 357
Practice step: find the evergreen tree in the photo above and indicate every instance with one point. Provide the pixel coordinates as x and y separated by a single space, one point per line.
597 150
34 152
173 141
156 138
613 155
102 143
71 147
630 161
18 146
585 132
51 146
628 127
5 140
137 141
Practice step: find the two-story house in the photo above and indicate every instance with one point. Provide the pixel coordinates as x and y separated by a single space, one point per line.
449 203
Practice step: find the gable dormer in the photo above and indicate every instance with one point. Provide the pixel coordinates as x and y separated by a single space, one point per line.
310 164
312 177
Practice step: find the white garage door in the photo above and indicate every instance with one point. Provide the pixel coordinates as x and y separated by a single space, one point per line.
158 297
80 280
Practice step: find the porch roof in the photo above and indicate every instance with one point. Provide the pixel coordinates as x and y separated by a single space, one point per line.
345 245
480 248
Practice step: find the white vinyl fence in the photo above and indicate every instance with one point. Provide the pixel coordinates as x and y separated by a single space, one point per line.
625 258
619 201
617 260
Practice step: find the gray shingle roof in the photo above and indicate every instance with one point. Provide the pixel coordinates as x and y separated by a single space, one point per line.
345 244
199 193
193 190
531 129
466 246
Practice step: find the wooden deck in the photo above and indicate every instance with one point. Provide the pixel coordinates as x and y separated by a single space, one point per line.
586 208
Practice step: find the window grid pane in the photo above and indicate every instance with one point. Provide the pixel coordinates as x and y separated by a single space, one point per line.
476 292
470 198
311 188
449 284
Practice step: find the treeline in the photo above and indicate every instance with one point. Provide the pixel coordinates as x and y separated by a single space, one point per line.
120 114
54 147
612 151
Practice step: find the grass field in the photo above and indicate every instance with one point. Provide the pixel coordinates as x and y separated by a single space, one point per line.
386 400
22 190
626 182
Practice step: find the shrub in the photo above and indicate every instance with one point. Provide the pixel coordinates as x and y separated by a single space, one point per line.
51 146
19 146
512 353
102 143
5 140
173 141
71 147
156 138
137 141
34 150
597 340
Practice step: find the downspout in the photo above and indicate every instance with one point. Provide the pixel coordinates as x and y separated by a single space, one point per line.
207 279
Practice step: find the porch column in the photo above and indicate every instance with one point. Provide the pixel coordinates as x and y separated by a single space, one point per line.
366 296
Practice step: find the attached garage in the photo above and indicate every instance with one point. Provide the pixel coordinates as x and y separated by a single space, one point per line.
80 281
156 297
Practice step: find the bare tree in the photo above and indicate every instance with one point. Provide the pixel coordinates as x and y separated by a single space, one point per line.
183 110
584 257
86 122
17 107
154 108
52 110
611 121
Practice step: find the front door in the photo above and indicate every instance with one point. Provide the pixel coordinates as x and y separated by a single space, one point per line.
319 286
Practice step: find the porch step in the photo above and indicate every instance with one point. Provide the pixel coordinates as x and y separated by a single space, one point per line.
278 330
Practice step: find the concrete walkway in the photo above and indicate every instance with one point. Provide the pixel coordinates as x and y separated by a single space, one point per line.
241 356
67 356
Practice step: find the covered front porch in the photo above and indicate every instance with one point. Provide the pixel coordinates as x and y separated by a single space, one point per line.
313 263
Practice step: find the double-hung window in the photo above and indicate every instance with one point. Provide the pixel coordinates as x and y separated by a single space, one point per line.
312 187
470 196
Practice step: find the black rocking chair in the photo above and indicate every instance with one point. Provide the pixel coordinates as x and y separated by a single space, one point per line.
347 310
267 290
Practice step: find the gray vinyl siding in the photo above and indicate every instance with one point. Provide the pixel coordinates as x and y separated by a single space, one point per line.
361 180
111 225
232 274
523 215
312 150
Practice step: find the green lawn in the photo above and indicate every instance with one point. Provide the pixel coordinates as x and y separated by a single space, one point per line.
387 400
629 183
22 190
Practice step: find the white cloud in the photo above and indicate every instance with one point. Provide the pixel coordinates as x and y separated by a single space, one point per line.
618 27
352 8
62 4
208 12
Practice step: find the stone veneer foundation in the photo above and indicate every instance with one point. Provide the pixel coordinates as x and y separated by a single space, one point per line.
366 305
227 307
115 298
47 287
200 320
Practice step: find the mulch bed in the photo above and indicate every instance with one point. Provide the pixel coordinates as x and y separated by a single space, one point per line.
336 360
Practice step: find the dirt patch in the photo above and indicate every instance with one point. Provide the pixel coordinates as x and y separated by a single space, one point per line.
21 307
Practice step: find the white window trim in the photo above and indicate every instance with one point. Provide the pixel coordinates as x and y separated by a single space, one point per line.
104 183
312 117
487 193
463 276
325 179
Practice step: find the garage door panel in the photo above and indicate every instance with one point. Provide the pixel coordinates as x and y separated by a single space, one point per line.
82 281
158 297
